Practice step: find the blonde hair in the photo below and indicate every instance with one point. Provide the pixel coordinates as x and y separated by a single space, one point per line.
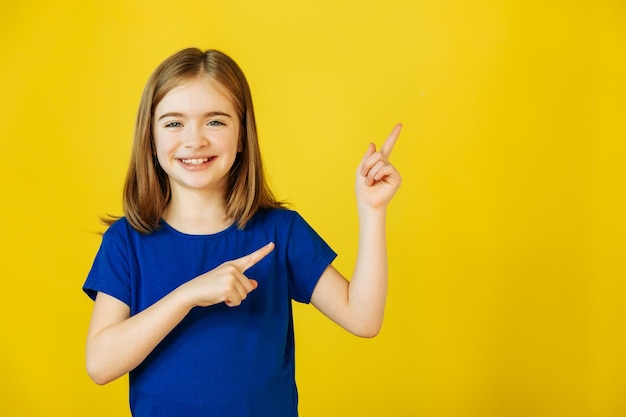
147 188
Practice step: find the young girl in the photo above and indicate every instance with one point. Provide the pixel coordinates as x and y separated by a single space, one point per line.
193 286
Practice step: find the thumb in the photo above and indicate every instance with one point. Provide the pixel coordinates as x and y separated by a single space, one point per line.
371 149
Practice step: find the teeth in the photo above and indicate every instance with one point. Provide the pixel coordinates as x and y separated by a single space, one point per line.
195 161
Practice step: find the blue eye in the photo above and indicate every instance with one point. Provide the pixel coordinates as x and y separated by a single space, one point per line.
173 124
215 123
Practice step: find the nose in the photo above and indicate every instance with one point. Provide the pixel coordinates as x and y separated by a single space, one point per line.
195 138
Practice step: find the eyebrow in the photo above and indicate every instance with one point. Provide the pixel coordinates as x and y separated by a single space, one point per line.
208 114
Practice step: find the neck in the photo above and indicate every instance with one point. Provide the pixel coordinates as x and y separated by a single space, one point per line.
197 213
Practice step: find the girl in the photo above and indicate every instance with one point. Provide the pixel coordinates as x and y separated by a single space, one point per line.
193 286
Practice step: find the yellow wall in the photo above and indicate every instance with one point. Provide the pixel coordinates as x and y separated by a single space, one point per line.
507 239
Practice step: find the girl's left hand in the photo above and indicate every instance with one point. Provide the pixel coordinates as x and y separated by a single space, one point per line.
377 180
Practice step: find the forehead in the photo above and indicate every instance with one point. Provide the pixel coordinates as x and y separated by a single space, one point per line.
197 93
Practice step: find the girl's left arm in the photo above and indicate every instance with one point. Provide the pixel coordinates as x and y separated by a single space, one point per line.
358 305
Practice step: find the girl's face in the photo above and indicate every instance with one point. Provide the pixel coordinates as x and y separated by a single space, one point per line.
196 134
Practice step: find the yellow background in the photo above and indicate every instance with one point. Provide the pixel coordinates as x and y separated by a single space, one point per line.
507 240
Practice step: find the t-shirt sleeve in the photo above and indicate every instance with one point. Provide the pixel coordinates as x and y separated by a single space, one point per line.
110 272
308 255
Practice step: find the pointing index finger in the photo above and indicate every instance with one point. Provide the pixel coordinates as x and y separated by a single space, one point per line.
387 147
248 261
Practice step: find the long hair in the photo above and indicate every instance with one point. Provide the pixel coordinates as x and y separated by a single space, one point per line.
147 188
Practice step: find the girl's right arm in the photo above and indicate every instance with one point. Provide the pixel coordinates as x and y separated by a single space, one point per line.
118 342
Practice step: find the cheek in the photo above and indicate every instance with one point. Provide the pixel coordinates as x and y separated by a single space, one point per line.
229 142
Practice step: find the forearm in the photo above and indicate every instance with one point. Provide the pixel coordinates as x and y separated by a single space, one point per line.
116 349
367 292
358 305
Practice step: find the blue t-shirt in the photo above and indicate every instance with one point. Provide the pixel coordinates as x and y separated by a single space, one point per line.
219 361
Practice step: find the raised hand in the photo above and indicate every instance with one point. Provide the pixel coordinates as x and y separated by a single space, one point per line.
227 282
377 180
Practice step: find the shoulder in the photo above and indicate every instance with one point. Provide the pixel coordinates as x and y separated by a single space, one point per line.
286 224
282 218
121 231
120 227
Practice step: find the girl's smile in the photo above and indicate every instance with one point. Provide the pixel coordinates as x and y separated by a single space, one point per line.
196 161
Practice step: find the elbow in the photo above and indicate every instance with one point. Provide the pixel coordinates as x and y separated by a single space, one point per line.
99 364
98 377
370 334
98 380
367 331
98 374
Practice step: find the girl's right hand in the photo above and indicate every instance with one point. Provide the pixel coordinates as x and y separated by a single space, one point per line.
226 283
